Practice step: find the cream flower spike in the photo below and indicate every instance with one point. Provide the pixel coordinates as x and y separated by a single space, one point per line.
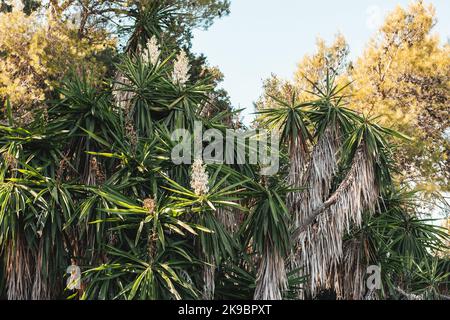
199 178
181 69
152 52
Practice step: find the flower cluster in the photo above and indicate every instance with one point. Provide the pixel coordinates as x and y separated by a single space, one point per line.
199 178
149 205
181 69
152 52
10 160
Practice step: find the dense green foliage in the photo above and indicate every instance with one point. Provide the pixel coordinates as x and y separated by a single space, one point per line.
90 182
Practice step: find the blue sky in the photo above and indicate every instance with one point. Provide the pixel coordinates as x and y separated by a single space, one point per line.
261 37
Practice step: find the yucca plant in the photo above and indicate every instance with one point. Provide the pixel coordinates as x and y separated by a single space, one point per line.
90 183
345 170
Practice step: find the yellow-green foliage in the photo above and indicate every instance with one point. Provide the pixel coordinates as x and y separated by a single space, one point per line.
332 57
403 76
37 51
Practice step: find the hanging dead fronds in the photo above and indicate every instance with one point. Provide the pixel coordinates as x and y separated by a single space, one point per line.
229 218
41 286
298 158
271 279
348 279
209 286
321 234
319 175
19 261
317 181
